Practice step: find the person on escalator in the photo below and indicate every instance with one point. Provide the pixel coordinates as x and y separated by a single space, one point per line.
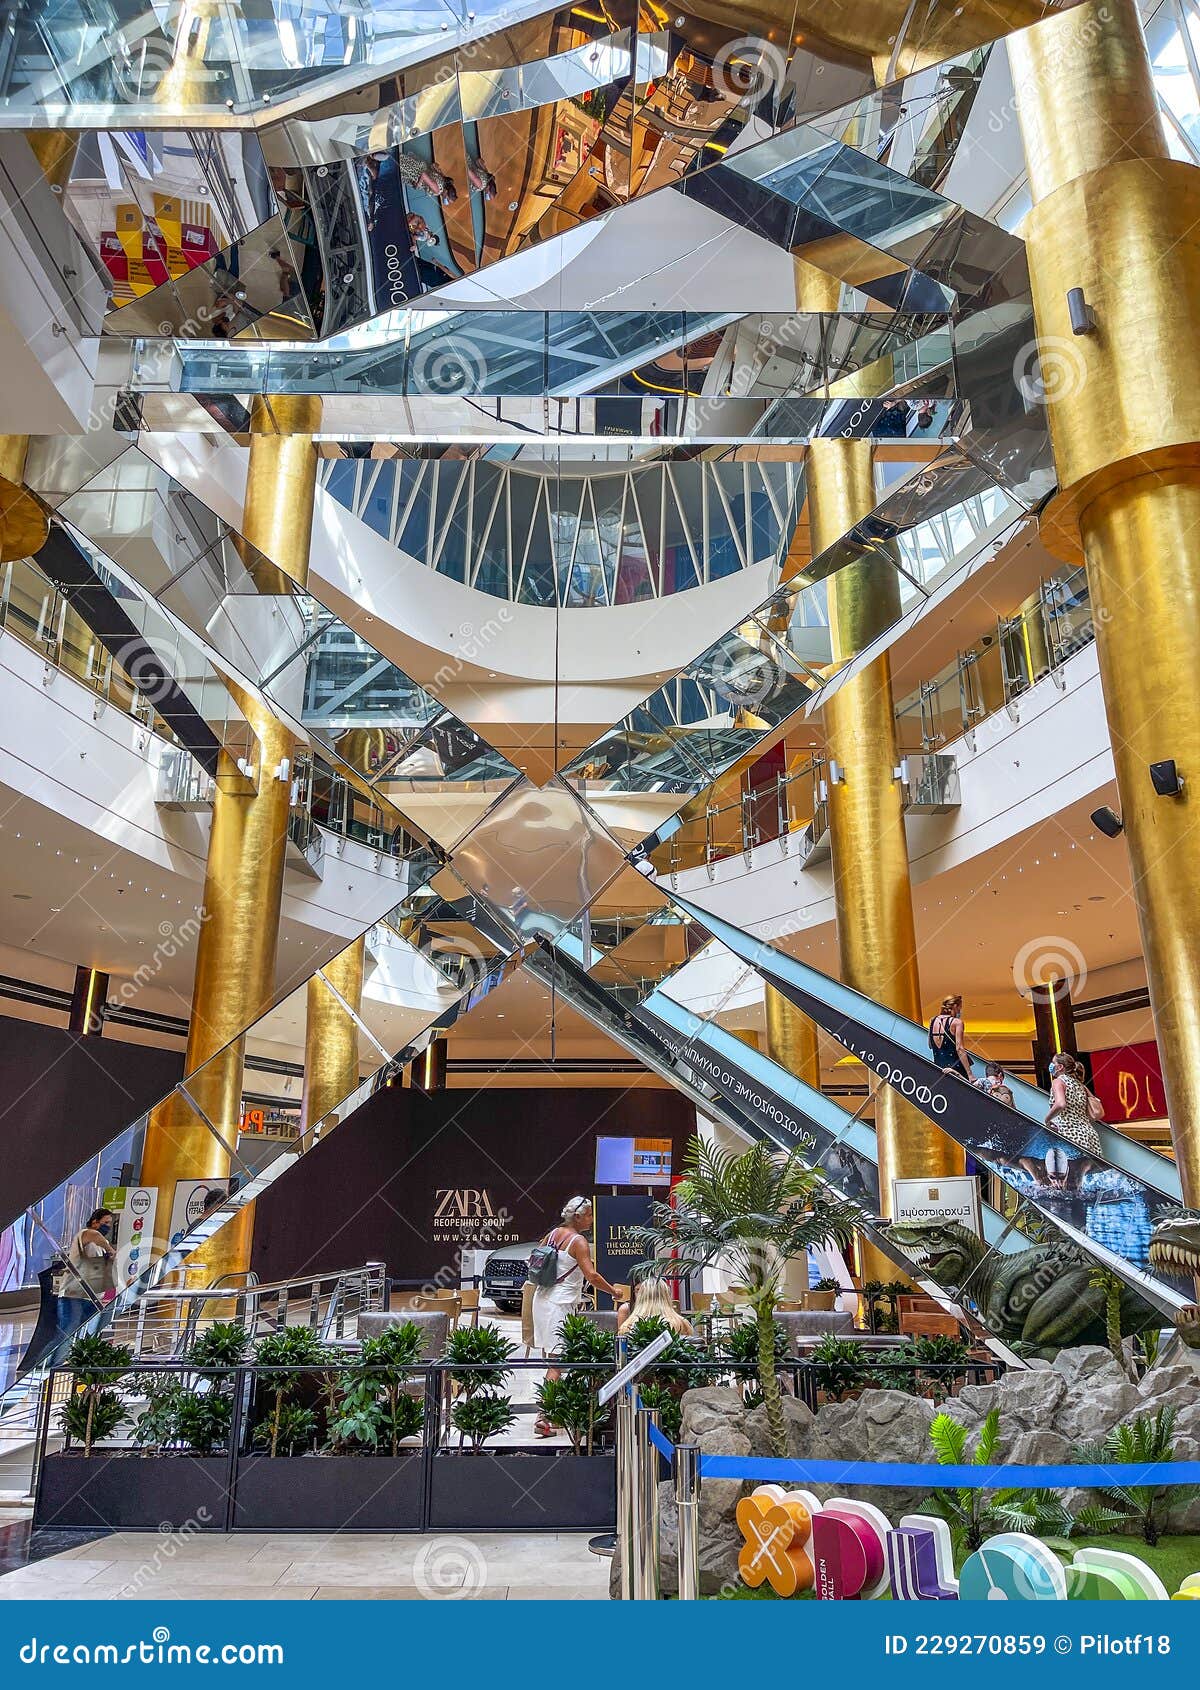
1074 1110
947 1039
996 1085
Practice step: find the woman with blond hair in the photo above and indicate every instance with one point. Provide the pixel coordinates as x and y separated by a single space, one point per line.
651 1300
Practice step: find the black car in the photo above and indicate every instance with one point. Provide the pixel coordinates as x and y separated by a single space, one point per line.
504 1274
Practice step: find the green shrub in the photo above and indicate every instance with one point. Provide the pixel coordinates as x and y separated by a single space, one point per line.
289 1430
479 1347
95 1407
296 1351
670 1410
839 1365
481 1415
570 1401
1148 1438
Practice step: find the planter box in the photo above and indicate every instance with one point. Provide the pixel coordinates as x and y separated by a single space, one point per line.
330 1493
519 1490
133 1492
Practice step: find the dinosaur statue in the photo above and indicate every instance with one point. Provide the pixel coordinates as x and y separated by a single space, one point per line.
1038 1301
1175 1249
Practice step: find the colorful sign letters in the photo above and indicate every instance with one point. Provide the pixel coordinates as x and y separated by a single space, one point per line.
847 1551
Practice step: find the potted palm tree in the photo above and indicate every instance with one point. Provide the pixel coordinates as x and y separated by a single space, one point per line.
751 1214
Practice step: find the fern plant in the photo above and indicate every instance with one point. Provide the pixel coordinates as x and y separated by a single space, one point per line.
1043 1513
968 1512
1148 1438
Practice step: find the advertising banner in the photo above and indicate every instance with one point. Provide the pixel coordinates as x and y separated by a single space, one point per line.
1128 1081
192 1201
615 1251
134 1207
955 1199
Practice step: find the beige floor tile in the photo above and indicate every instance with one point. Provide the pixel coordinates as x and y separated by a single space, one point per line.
207 1572
397 1593
555 1593
308 1546
57 1572
220 1593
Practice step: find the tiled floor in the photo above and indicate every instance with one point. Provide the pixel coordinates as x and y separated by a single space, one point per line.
129 1566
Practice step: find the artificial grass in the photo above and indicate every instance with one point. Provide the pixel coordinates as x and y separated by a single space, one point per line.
1172 1558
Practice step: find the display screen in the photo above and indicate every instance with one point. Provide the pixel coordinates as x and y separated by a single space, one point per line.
633 1161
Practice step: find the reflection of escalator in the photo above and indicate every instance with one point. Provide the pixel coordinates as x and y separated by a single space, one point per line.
1110 1204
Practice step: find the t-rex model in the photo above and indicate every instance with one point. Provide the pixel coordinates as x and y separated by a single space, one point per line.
1038 1301
1175 1249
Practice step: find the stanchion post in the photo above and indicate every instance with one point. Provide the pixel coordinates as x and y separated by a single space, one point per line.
628 1495
647 1513
687 1505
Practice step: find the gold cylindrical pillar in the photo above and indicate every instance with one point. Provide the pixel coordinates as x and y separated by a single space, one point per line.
1114 215
331 1035
234 981
281 481
791 1039
23 521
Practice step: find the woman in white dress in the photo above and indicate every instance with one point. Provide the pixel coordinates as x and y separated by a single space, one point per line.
552 1303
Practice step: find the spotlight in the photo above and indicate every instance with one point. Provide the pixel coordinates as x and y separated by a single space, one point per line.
1108 821
1168 782
1083 318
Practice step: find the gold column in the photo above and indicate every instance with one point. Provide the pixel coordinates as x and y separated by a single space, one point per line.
234 982
331 1035
243 888
54 150
872 891
792 1039
281 481
1114 215
23 522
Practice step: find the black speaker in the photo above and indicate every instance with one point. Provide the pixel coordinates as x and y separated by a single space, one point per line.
1108 821
1166 779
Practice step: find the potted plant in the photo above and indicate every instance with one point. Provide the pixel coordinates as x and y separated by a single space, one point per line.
516 1487
361 1478
822 1296
476 1355
751 1214
175 1466
95 1407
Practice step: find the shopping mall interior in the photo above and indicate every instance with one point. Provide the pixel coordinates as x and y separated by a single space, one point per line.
599 612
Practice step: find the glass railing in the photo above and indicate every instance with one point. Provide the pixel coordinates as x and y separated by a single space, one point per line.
1051 626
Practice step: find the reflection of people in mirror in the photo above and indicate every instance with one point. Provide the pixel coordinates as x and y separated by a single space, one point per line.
417 172
481 179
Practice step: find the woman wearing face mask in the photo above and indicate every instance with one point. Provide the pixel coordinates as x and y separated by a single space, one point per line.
1070 1114
91 1258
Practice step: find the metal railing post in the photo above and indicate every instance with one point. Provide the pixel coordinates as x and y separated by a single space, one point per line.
687 1505
626 1496
647 1514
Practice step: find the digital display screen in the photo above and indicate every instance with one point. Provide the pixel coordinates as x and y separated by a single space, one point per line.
633 1161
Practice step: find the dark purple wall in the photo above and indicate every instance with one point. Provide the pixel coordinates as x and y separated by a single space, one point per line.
411 1179
62 1097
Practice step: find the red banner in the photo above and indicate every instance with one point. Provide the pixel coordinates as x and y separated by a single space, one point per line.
1128 1081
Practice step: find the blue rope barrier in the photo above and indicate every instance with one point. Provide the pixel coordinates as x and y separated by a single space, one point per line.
932 1475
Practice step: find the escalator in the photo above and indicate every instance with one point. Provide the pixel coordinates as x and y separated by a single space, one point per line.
732 1082
1108 1206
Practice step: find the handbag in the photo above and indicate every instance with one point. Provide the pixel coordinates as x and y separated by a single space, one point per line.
542 1267
1095 1108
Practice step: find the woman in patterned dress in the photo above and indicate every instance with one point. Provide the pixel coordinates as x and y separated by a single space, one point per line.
1070 1105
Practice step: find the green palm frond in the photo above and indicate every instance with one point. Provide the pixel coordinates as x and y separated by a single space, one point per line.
949 1440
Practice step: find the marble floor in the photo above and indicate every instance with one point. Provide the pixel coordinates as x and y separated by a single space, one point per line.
171 1566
